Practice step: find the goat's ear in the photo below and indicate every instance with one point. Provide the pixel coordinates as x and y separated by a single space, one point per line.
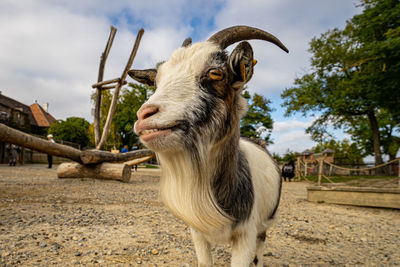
144 76
241 64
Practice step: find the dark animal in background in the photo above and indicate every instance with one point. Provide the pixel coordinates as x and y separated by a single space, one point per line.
288 170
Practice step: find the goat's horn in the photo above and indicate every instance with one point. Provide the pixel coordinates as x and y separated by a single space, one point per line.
187 42
144 76
235 34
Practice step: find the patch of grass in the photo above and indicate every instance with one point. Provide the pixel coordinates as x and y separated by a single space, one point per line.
148 166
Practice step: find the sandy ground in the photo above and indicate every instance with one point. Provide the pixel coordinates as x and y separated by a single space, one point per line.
46 221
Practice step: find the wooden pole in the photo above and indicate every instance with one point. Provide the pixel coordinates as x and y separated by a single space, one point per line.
99 79
100 84
22 139
108 171
321 162
305 168
98 156
398 171
12 136
114 101
138 161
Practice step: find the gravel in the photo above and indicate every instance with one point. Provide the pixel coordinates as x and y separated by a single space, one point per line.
46 221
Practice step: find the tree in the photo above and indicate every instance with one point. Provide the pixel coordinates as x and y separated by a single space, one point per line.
345 152
73 130
129 102
290 156
257 122
354 73
388 128
277 157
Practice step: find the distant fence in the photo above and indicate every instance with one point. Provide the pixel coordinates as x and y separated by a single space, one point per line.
326 170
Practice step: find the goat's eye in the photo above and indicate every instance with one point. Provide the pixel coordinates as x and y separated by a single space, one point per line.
216 74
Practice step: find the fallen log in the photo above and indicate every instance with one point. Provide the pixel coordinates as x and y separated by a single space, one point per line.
107 171
19 138
98 156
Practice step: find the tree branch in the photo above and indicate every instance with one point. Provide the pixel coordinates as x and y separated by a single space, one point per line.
114 101
98 156
98 90
13 136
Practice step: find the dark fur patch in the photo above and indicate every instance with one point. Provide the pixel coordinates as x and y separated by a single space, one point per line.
255 261
262 236
233 189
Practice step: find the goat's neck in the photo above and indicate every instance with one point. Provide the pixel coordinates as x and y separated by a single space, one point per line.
187 182
223 158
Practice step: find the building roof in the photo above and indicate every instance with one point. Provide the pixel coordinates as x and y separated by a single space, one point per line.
307 152
14 104
42 118
328 150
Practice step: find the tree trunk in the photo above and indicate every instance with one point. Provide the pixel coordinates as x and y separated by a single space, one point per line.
376 138
98 156
107 171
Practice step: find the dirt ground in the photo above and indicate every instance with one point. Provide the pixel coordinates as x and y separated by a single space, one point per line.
46 221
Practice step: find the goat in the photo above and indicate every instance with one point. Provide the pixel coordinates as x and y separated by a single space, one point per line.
226 188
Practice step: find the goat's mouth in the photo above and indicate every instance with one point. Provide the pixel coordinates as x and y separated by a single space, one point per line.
148 134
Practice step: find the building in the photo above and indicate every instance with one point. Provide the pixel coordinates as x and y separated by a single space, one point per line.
307 156
16 114
43 119
33 119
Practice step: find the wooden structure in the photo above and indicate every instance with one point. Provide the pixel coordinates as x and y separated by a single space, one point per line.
90 163
357 196
307 161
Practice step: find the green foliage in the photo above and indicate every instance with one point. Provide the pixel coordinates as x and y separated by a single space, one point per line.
289 156
345 152
354 74
130 100
257 122
73 129
387 128
277 157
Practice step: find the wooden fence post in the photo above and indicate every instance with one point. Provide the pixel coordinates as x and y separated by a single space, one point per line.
298 171
321 162
305 168
398 172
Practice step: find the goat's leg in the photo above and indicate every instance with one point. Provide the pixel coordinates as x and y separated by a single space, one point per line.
243 247
203 249
259 258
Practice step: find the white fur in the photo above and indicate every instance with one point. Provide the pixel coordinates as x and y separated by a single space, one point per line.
186 190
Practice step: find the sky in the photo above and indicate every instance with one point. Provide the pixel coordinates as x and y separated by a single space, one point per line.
50 50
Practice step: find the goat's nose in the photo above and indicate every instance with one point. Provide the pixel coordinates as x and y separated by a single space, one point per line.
146 111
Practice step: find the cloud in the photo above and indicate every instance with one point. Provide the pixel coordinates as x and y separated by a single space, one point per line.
53 52
294 23
283 126
51 49
290 135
